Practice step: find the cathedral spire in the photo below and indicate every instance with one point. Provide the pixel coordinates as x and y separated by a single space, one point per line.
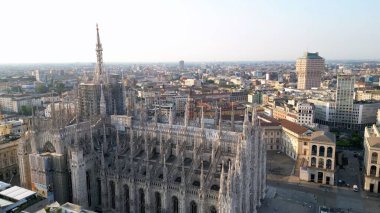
255 121
187 111
124 92
220 122
131 144
98 78
165 170
232 117
104 138
229 178
202 118
92 140
155 117
171 117
52 111
117 141
202 184
246 125
103 110
221 184
183 173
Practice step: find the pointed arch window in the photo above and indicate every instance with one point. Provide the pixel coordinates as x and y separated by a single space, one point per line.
193 207
126 199
112 188
213 209
142 201
157 197
175 204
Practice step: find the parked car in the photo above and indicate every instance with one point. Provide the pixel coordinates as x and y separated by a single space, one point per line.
355 188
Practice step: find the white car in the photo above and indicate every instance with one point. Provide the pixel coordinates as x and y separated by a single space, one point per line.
355 188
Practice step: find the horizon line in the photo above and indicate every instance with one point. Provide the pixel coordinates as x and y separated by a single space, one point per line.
171 62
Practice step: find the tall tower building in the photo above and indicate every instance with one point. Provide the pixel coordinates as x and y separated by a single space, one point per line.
309 70
89 93
181 65
344 100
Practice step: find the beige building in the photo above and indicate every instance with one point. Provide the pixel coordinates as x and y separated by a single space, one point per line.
371 159
292 138
8 159
318 165
272 132
309 70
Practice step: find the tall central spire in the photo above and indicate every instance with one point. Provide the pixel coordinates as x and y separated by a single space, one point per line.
98 78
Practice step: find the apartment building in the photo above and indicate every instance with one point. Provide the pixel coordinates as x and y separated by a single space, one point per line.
292 138
305 113
272 132
8 158
318 163
372 159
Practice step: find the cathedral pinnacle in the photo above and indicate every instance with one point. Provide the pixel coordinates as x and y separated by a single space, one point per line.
202 118
187 111
98 78
221 184
232 117
102 102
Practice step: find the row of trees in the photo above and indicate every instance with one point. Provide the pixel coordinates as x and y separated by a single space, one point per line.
57 87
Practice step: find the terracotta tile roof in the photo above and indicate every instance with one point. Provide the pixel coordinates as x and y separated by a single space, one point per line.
268 121
298 129
374 142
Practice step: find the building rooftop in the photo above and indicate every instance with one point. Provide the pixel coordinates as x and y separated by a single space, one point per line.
294 127
322 136
374 142
308 55
17 193
4 185
4 203
268 121
74 208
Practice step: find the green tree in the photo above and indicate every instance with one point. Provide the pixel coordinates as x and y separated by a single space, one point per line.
41 88
26 110
59 87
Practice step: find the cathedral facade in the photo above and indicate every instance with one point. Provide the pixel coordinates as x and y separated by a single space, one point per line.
122 160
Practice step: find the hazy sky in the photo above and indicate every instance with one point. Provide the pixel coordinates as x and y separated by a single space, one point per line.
33 31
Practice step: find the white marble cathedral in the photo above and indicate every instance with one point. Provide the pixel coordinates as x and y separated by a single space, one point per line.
126 161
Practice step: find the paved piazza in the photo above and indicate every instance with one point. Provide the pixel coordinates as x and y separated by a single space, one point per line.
287 194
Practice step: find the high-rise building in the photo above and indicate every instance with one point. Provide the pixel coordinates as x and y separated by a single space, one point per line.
344 100
181 65
309 70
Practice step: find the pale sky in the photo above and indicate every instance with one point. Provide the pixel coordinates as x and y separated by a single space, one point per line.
34 31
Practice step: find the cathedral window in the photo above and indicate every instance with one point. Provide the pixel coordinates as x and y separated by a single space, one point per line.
142 201
196 183
158 202
112 188
193 207
88 182
178 180
175 205
215 187
99 191
213 209
126 194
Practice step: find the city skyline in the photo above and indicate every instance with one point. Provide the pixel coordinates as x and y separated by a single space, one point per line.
168 31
